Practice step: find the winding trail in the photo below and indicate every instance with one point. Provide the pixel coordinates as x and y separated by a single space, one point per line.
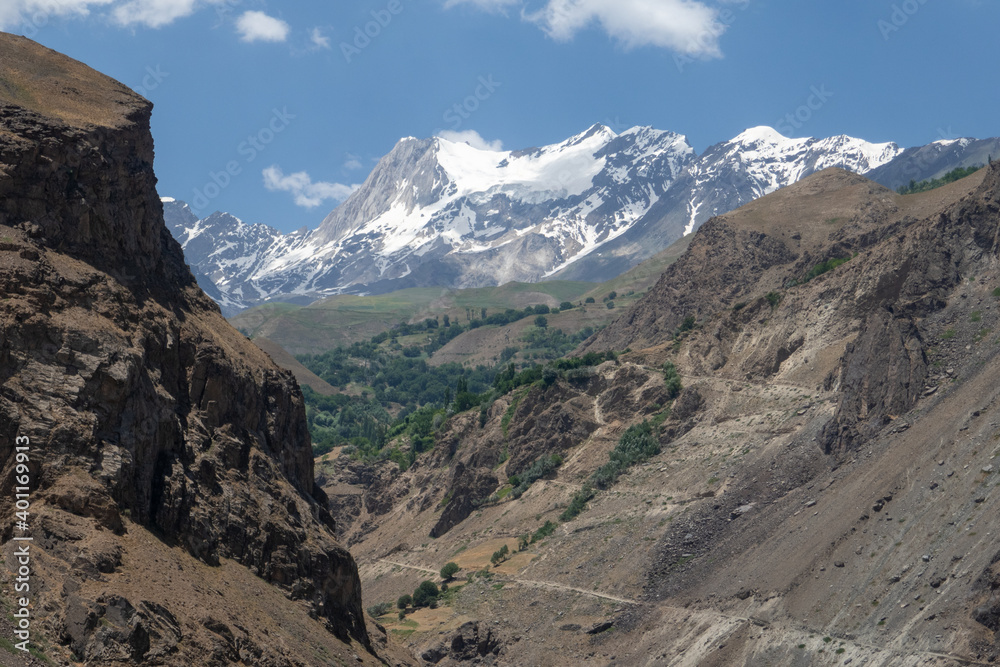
523 582
711 615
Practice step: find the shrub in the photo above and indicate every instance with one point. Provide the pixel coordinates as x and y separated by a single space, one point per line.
404 601
565 305
589 299
523 542
543 532
541 467
611 305
541 322
449 570
823 267
996 292
671 380
578 503
380 609
773 298
635 446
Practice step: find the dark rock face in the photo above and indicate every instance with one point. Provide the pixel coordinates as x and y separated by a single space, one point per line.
883 374
469 486
138 398
469 643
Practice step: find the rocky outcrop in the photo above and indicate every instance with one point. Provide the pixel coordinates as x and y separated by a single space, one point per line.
882 376
146 411
471 642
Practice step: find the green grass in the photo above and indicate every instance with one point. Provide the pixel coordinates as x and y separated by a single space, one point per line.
949 334
345 318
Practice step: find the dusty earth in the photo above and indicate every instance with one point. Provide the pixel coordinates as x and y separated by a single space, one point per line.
825 484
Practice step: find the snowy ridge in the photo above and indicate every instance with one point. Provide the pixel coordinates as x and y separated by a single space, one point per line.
438 212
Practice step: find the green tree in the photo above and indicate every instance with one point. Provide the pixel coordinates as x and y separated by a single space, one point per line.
380 609
565 305
500 555
671 380
404 601
541 322
449 570
425 593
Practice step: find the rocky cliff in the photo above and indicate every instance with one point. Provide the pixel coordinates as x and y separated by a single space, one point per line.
174 514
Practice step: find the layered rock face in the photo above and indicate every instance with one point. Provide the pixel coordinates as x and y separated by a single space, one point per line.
154 426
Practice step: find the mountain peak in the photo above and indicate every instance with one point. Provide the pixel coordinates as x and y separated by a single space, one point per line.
762 134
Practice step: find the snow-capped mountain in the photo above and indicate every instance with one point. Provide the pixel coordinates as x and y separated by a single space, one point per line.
435 212
726 176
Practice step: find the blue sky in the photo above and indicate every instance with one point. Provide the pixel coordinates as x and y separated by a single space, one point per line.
274 111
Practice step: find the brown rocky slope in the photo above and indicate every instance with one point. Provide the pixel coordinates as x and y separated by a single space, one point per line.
174 513
825 485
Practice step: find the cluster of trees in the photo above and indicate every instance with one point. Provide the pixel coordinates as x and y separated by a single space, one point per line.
950 177
637 444
403 395
500 555
427 593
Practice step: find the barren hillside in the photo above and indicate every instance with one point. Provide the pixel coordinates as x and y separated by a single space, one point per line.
824 482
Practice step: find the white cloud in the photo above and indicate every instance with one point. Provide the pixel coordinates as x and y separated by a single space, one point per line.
154 13
488 5
353 162
301 186
28 16
259 27
472 138
319 40
690 27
